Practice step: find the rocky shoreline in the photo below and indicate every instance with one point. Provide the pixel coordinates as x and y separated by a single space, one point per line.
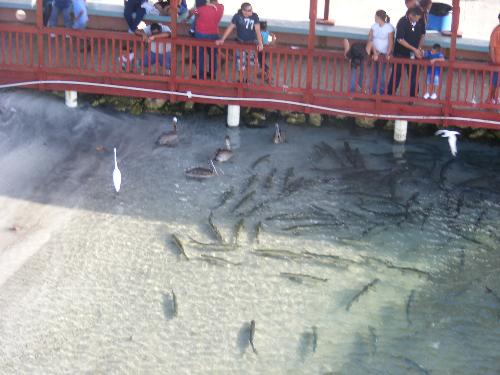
255 117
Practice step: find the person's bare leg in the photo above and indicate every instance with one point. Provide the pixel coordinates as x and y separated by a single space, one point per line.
346 47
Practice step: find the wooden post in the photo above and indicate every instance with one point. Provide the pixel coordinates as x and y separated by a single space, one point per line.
39 14
311 41
452 58
173 51
326 15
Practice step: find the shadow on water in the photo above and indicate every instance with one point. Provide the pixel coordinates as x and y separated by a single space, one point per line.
243 339
168 306
305 345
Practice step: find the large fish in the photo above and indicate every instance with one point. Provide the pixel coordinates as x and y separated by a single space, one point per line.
358 295
214 228
411 297
179 245
174 304
260 160
237 230
252 335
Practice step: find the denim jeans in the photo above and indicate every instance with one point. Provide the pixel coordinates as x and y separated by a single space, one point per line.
411 71
200 64
359 72
151 58
55 14
131 7
379 70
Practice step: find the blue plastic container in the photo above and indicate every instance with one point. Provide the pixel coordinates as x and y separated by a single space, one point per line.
440 17
439 23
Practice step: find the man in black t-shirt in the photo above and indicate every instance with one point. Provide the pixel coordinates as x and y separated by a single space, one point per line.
247 28
410 33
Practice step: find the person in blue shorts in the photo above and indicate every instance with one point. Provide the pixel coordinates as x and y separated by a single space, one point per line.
433 72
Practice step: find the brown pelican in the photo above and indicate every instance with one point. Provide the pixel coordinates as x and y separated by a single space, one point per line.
224 154
279 136
169 139
202 173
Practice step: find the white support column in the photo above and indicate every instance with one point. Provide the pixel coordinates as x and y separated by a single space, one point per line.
400 128
71 99
233 115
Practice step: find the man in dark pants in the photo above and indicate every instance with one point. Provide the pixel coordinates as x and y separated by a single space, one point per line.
410 35
131 7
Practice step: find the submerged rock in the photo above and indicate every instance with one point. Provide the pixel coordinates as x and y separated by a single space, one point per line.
365 122
296 118
188 106
136 109
315 119
215 110
154 105
258 115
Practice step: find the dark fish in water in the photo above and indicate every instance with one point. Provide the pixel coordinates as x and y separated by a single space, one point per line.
391 265
227 195
213 246
243 200
214 228
260 160
330 151
237 229
256 208
252 335
179 245
311 226
427 213
249 183
174 303
314 338
411 297
218 261
489 290
460 203
414 365
442 173
412 200
276 253
258 228
479 219
289 174
268 183
365 289
299 277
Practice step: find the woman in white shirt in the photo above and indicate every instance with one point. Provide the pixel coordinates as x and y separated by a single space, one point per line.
380 43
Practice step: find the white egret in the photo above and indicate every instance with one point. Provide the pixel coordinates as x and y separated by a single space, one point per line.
117 176
452 139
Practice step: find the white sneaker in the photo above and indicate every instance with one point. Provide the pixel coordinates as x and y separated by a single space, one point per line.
52 35
427 95
434 96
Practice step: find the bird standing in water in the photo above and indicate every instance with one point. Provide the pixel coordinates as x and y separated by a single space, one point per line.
170 138
224 154
279 136
117 176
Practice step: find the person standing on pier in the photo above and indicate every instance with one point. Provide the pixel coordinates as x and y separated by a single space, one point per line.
81 15
381 45
131 7
207 19
495 60
58 6
410 34
247 26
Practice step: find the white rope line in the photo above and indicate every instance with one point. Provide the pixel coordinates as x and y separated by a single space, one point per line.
190 95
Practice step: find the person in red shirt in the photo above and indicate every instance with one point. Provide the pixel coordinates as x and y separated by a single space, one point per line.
207 27
495 60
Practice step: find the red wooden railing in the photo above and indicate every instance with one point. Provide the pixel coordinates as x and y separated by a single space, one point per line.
300 75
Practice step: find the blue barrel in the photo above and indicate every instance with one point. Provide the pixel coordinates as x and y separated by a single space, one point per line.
440 17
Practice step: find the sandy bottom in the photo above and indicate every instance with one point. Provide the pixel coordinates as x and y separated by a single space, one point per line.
86 281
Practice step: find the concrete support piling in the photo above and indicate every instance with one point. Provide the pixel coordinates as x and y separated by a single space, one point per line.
400 129
71 98
233 115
